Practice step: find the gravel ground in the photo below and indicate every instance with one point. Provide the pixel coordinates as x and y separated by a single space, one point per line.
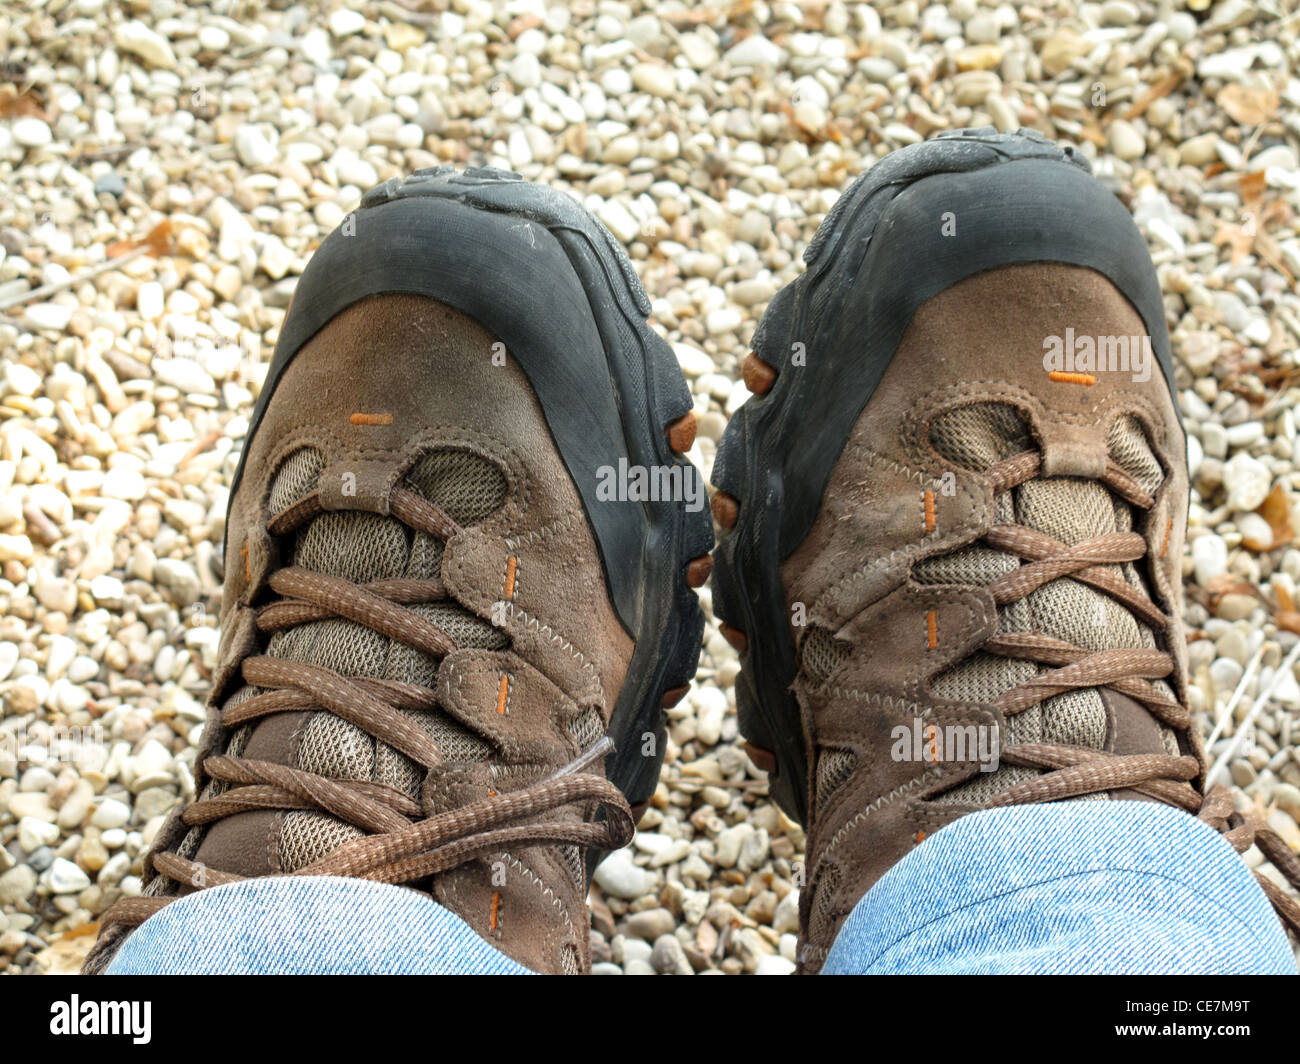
206 149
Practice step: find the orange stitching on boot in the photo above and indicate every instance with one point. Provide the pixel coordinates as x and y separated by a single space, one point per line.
493 921
1072 378
929 511
932 628
512 565
920 837
371 419
503 694
248 565
1169 525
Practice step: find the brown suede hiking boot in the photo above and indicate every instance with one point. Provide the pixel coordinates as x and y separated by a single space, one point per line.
444 646
954 515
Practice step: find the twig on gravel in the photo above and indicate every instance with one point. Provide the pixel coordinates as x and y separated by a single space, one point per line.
156 242
1231 704
1246 725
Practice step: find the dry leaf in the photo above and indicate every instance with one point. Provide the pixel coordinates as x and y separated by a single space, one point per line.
1276 510
529 21
1288 621
1226 584
1180 73
1248 107
158 240
1252 186
15 104
1237 238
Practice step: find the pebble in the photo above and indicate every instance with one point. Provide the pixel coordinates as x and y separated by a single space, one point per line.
33 806
343 22
111 813
31 132
34 833
52 316
669 958
693 361
770 964
178 580
17 884
149 301
66 878
110 183
755 50
254 148
1247 481
139 40
1125 141
651 923
618 875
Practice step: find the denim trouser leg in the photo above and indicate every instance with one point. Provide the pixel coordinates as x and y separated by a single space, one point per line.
1069 887
1072 887
305 925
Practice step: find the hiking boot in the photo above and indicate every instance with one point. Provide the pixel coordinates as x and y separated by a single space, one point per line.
953 516
445 649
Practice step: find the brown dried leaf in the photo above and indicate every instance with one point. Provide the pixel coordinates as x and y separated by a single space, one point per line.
159 238
1248 107
1226 584
1237 239
1276 510
1180 73
15 104
158 241
1288 621
1285 602
528 21
1252 186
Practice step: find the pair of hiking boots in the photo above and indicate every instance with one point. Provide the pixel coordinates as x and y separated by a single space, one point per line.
463 544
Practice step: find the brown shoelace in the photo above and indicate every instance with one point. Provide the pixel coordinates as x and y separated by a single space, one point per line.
1071 771
400 844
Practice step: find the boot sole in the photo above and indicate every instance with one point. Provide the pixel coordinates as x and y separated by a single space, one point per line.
541 274
1012 198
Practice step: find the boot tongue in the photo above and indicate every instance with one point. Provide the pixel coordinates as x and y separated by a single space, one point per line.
359 546
1070 510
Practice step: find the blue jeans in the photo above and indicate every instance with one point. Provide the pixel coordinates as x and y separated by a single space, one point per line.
1071 887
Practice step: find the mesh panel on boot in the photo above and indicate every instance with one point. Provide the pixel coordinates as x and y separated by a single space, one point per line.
821 653
1128 446
307 837
361 546
822 910
466 487
296 478
587 727
834 767
974 437
1068 509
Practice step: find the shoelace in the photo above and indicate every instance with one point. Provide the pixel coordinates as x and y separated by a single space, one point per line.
400 844
1072 771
